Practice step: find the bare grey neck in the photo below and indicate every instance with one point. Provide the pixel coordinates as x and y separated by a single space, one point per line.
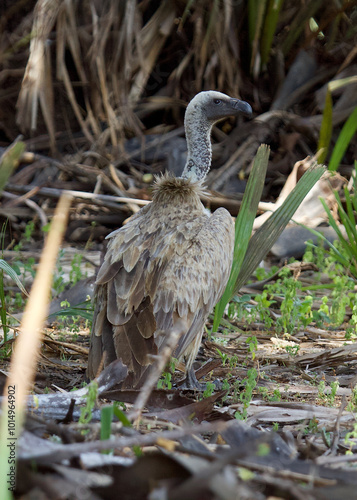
199 150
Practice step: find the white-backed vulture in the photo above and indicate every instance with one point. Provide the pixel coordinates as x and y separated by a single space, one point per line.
170 262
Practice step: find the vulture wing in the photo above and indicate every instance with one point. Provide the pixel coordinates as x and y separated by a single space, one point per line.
159 267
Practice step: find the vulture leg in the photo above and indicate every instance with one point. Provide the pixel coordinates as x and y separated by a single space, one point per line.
191 382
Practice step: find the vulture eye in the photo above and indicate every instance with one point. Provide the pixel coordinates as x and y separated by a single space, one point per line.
217 101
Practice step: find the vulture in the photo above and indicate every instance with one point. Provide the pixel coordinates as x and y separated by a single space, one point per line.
170 263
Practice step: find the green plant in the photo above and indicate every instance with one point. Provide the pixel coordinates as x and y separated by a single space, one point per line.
91 399
323 309
321 389
26 237
276 395
106 417
224 356
5 267
118 408
265 393
210 388
225 385
305 310
83 310
289 313
351 331
347 132
240 308
262 308
316 254
249 253
312 426
340 299
246 395
330 397
164 381
345 252
5 352
243 226
233 361
252 345
75 273
352 435
292 350
58 279
352 404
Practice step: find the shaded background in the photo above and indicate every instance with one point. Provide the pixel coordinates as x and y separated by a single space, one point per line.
101 86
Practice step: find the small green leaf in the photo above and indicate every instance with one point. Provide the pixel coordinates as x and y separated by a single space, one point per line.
83 310
346 134
121 416
12 273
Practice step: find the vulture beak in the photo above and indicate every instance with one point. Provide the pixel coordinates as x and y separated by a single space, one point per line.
241 106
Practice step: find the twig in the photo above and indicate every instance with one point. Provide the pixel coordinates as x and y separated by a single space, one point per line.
29 203
62 452
100 199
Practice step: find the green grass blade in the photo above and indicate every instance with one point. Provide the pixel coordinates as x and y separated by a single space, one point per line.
262 241
349 206
270 23
337 253
331 220
83 310
326 128
335 227
346 134
244 225
106 417
121 416
348 220
4 266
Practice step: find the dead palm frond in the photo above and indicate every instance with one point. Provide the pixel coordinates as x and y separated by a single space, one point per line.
37 83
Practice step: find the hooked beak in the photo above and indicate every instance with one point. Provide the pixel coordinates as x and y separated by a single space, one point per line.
241 106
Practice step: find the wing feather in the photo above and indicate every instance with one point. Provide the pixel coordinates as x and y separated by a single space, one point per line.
203 272
131 257
161 267
107 271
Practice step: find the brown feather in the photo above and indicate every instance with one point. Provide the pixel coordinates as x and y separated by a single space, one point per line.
162 265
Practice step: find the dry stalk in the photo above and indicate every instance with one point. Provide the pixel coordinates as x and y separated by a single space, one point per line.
27 346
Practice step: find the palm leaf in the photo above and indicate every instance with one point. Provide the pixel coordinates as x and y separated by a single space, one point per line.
262 241
244 224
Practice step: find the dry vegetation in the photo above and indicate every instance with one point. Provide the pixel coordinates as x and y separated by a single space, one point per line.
98 90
